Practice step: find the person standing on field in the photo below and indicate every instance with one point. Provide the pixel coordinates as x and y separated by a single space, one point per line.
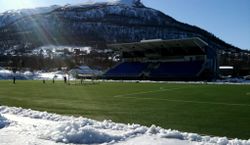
65 79
14 76
14 79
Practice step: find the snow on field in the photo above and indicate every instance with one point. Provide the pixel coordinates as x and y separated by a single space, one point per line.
28 127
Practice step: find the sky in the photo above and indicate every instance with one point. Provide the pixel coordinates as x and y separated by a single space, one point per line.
227 19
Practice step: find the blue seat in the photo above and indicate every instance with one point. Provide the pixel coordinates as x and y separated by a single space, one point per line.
177 69
127 69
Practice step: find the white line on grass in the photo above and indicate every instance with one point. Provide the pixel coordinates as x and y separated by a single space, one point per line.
184 101
146 92
126 96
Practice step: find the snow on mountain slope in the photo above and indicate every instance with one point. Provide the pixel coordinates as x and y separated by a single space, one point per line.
34 127
10 16
113 21
127 2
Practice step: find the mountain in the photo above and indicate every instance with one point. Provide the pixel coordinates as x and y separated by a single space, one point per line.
11 16
94 24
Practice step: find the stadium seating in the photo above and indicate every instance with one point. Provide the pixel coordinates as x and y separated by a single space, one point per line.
177 69
127 69
186 69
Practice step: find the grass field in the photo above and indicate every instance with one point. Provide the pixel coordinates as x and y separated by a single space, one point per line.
221 110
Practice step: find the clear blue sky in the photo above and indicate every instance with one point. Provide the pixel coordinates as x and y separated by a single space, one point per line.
227 19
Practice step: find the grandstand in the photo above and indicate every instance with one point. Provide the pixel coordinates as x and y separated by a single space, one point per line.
178 59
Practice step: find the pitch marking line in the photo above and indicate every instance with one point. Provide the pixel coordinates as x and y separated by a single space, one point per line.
248 93
126 96
146 92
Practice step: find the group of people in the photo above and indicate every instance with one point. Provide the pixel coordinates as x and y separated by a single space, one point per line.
53 80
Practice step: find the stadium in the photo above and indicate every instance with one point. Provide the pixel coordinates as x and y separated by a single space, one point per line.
180 59
119 73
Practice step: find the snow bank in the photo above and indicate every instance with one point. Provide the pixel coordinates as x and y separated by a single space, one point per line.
75 132
58 75
7 74
3 122
4 72
66 129
31 114
234 80
27 75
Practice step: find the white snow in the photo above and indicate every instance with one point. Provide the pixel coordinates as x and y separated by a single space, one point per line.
41 75
13 15
27 75
3 121
58 75
126 2
27 127
57 51
5 72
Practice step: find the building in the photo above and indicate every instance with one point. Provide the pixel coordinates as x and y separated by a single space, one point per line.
179 59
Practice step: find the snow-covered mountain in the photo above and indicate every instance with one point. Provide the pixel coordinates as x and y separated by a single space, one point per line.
97 23
127 2
11 16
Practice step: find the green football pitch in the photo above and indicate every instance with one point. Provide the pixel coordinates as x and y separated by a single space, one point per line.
220 110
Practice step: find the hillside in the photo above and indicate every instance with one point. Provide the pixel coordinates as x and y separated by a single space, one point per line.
96 23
